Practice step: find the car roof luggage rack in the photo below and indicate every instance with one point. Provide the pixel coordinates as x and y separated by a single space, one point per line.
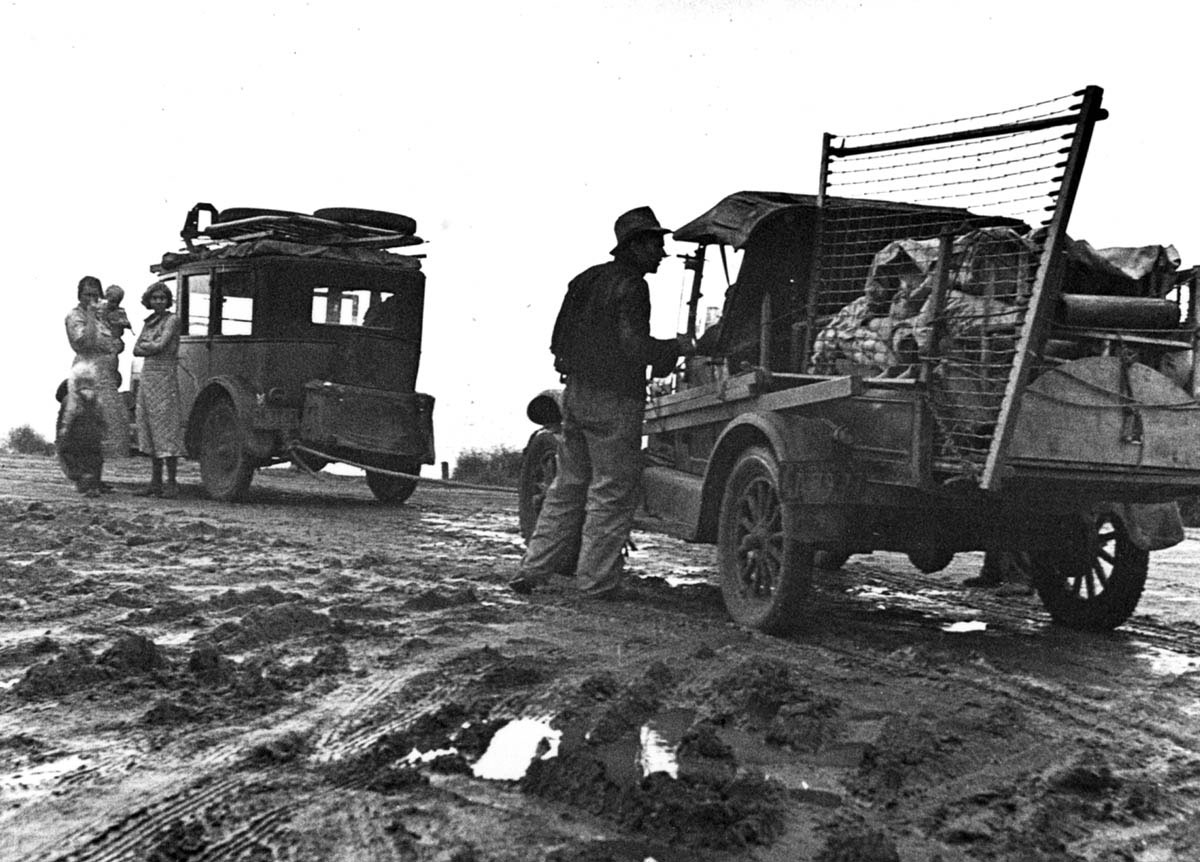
333 226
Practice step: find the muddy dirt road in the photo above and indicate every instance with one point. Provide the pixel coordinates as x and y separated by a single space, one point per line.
311 676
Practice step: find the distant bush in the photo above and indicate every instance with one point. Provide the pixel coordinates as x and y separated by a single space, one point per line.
1189 508
23 440
500 466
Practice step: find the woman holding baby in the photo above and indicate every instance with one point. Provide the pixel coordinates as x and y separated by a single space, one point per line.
97 344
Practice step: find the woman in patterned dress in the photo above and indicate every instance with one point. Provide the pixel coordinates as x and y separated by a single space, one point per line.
159 416
95 346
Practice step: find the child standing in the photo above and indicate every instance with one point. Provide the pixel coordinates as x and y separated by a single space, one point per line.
80 440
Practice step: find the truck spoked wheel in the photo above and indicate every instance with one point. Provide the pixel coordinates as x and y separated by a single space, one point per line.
1095 581
225 467
394 489
766 575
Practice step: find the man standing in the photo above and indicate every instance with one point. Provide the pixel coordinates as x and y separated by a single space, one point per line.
602 346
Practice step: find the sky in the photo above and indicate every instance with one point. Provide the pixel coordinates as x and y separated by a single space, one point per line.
515 133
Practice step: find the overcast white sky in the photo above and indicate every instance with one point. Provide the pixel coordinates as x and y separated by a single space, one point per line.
515 132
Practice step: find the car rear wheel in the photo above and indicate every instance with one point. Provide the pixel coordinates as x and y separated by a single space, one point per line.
394 489
766 574
1095 579
226 469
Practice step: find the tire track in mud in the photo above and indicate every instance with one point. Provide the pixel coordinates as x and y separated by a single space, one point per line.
353 731
142 828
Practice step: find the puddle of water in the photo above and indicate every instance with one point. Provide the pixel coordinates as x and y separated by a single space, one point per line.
416 756
172 638
659 741
657 754
34 779
16 636
1168 663
457 528
965 626
514 747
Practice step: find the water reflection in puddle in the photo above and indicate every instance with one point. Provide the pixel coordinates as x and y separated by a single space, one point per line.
459 528
515 746
965 626
35 778
1168 663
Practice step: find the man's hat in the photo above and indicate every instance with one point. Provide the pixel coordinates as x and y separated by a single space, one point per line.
634 222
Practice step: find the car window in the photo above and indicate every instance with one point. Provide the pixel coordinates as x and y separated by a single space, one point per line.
198 291
236 290
341 307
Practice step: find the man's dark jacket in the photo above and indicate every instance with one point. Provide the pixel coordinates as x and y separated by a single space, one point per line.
614 344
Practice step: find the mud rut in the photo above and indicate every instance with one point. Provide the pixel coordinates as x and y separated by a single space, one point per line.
312 676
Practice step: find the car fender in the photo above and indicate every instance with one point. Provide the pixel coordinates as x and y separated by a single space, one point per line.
240 394
791 439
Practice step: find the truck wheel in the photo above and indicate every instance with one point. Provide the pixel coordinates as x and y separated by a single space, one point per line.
393 489
539 465
766 574
930 560
1095 580
225 467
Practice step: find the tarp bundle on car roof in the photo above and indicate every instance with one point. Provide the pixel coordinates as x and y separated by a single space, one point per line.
267 247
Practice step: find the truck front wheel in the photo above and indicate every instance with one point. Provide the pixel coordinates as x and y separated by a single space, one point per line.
225 467
766 574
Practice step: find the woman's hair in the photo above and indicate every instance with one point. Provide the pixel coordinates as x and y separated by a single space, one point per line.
157 287
88 281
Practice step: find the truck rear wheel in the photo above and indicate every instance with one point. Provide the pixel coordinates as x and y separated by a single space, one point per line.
1095 580
393 489
225 467
766 574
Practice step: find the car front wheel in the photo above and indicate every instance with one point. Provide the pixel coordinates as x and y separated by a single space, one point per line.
226 469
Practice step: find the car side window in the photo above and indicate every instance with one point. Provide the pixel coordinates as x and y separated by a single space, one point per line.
198 294
236 292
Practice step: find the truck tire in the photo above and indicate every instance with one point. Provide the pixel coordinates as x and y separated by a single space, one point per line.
1095 580
393 489
766 574
225 466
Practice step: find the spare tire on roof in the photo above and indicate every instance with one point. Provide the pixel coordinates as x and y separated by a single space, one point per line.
239 213
394 222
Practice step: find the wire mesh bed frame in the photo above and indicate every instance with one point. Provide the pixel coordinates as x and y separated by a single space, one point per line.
955 290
